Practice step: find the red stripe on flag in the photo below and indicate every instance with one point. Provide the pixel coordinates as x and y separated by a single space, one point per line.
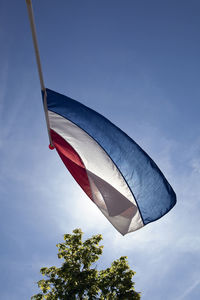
72 161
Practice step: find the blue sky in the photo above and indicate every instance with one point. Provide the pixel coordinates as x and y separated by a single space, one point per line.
137 63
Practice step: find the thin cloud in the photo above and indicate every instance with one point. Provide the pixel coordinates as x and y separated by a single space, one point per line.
189 290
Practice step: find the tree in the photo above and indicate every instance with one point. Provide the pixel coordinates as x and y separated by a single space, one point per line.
77 278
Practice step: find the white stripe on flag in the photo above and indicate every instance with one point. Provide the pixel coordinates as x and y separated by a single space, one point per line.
100 169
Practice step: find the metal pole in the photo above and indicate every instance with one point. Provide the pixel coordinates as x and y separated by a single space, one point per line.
35 43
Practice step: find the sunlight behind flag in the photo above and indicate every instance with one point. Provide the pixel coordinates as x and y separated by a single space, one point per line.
115 173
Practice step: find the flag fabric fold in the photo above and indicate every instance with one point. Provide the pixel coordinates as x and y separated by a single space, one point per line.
113 170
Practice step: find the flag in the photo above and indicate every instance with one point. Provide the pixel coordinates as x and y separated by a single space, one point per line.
111 168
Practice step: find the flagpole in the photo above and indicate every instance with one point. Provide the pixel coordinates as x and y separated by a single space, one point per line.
37 54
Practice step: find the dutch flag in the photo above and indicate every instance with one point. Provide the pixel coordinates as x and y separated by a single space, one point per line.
115 173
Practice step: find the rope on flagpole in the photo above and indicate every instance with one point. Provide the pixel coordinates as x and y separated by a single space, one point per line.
35 43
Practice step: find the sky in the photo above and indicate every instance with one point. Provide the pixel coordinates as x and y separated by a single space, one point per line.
138 64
